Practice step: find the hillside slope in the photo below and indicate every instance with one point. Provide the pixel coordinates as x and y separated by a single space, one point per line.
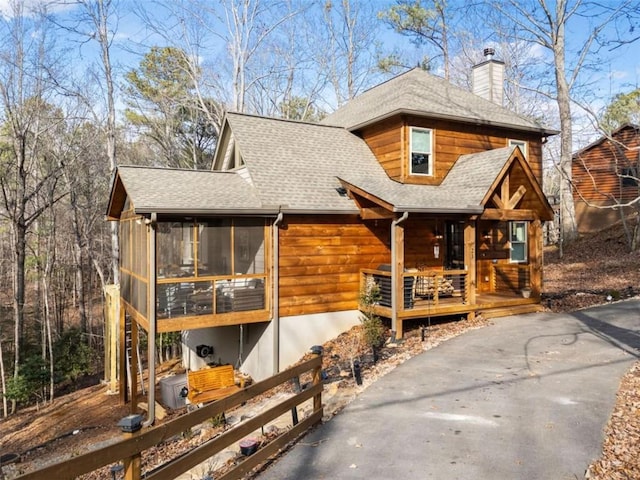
594 268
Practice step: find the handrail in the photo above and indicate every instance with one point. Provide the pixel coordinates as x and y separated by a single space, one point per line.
130 448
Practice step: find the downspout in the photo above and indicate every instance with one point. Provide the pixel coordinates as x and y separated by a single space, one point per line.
394 274
151 341
276 293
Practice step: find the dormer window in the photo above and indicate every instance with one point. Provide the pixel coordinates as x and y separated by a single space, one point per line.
519 143
421 148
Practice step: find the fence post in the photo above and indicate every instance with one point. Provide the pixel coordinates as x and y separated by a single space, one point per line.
131 426
317 378
133 467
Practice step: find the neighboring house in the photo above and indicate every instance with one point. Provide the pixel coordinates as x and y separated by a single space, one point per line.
427 190
605 173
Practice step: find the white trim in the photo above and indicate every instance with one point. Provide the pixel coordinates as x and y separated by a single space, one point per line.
525 241
430 153
523 144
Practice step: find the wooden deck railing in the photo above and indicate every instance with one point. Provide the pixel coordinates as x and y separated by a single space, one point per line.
432 286
130 449
513 277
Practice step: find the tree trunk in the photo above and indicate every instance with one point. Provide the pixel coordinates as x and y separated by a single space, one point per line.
5 410
569 231
102 24
19 253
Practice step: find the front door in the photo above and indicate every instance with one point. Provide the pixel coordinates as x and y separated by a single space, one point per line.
454 246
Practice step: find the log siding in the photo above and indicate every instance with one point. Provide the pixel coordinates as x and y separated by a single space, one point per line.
321 258
389 141
596 180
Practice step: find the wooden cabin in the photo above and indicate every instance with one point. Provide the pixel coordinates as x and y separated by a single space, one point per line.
605 174
427 190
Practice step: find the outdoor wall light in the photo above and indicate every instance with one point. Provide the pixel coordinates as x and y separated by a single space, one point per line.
131 423
486 235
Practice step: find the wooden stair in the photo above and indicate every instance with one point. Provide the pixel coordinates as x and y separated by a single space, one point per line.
510 310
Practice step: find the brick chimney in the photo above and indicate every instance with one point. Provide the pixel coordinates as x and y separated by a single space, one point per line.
488 78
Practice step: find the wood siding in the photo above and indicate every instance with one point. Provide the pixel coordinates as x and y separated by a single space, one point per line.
389 141
321 258
595 170
385 141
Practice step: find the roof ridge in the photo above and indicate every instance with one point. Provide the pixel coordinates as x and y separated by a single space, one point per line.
176 169
285 120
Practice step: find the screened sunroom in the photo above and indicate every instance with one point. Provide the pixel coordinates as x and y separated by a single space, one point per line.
210 272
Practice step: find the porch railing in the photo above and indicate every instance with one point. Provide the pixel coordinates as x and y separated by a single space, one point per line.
183 298
511 278
420 287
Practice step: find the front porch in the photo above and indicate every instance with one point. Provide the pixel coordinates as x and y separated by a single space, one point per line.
429 293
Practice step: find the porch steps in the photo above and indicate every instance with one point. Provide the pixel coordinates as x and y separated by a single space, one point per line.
510 310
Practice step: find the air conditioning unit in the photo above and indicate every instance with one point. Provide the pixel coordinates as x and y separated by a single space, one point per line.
174 391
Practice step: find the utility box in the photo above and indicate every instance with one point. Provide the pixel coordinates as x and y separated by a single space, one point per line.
174 391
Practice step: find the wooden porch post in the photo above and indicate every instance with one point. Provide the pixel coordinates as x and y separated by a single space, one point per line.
535 257
397 269
133 366
470 262
122 370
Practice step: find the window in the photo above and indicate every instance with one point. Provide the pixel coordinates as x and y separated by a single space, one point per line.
421 151
519 143
518 240
629 177
175 250
216 247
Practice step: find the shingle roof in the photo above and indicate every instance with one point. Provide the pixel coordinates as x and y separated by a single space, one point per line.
603 138
295 164
165 190
423 94
463 189
304 176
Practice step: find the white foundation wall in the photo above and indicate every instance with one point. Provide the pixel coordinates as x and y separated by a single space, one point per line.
297 335
224 340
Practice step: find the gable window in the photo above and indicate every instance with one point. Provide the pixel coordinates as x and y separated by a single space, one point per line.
519 143
421 147
518 241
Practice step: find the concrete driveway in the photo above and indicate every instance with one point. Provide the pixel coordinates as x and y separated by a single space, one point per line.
526 398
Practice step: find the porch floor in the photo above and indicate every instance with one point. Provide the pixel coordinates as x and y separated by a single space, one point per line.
488 304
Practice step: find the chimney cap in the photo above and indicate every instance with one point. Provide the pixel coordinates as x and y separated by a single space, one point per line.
489 52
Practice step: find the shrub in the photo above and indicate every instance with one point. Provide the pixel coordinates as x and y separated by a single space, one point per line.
72 356
372 327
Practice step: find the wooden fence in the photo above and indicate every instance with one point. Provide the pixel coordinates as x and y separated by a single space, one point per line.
129 450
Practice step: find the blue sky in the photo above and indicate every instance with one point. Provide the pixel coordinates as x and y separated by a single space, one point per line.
619 69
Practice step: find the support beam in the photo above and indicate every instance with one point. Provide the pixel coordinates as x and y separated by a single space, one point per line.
397 268
506 215
516 197
122 352
535 257
498 201
376 213
470 261
133 367
504 190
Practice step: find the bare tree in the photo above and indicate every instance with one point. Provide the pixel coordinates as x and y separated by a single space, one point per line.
26 64
97 21
545 23
347 47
